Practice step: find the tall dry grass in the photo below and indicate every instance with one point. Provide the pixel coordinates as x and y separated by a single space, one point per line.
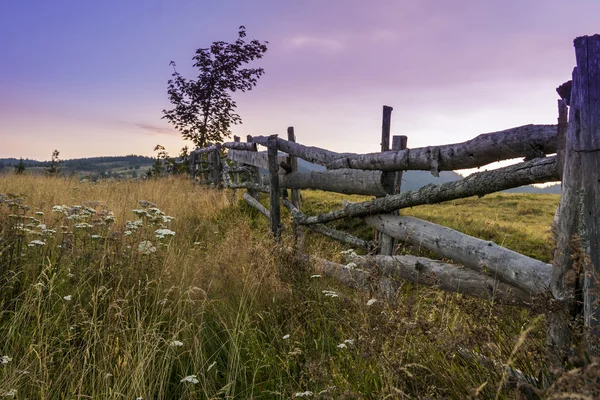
219 310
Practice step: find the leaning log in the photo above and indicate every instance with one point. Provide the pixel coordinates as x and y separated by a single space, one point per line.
525 273
448 277
478 184
346 181
240 146
341 236
256 204
529 141
312 154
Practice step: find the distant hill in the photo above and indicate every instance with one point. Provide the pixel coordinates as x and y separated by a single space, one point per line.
124 166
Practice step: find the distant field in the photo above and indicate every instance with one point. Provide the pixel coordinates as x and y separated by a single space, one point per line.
206 305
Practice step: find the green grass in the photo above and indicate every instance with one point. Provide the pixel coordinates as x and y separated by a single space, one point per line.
97 318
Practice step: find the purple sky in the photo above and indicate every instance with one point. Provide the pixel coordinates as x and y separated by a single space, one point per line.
89 77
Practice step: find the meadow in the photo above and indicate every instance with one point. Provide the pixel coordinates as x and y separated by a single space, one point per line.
158 288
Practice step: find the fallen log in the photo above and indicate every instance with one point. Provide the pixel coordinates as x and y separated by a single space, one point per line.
448 277
478 184
525 273
529 141
347 181
330 232
250 186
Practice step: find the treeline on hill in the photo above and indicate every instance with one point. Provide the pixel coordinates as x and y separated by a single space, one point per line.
131 166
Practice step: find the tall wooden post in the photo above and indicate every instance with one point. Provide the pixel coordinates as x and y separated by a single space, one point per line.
274 191
293 162
386 243
576 273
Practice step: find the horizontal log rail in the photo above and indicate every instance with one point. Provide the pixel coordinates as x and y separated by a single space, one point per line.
448 277
240 146
535 171
529 141
346 181
525 273
330 232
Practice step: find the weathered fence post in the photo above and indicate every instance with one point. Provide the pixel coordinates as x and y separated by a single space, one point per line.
293 161
217 166
274 192
253 175
386 243
192 165
575 281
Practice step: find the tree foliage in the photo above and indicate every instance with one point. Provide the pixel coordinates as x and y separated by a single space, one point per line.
203 108
20 168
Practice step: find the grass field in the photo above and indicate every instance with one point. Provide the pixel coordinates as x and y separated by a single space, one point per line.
106 297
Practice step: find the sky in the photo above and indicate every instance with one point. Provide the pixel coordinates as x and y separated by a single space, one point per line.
89 77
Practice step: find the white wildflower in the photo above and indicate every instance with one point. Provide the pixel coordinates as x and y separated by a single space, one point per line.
176 343
167 218
146 247
349 341
96 237
191 379
68 297
5 359
134 225
34 243
83 225
39 213
60 209
330 293
350 266
127 233
371 302
315 276
211 366
48 232
197 243
139 212
162 233
286 337
341 346
308 393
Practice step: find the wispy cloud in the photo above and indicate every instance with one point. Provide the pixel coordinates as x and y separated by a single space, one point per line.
155 129
322 43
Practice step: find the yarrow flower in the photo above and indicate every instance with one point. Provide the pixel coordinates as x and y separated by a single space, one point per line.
191 379
34 243
308 393
285 337
211 366
176 343
162 233
5 359
315 276
330 293
371 302
146 247
68 297
83 225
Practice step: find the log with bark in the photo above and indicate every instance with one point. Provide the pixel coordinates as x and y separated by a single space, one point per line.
256 204
478 184
448 277
343 237
529 141
346 181
312 154
520 271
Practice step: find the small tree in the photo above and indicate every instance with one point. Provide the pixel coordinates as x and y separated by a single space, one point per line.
55 163
204 109
20 168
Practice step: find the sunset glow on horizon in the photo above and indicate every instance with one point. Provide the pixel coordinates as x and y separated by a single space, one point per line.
90 78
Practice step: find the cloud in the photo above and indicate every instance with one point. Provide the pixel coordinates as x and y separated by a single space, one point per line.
156 130
322 43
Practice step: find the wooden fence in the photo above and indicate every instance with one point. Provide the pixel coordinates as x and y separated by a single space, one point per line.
482 268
